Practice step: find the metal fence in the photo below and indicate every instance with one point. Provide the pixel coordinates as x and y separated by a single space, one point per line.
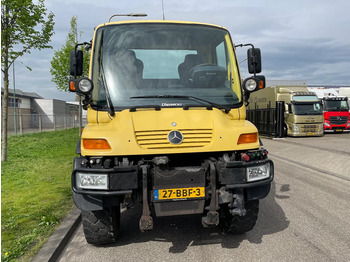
269 121
32 123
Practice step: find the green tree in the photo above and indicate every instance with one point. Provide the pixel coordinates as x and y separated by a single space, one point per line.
60 61
24 26
60 69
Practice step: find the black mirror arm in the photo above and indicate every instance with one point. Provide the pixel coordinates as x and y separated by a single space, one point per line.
86 101
254 58
87 44
241 45
246 98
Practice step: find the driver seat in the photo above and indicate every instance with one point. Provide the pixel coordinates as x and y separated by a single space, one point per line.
184 68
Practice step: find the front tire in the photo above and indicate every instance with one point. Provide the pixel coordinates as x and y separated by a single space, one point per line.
239 224
101 227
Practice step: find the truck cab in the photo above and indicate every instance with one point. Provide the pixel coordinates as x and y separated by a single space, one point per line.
167 128
336 113
303 112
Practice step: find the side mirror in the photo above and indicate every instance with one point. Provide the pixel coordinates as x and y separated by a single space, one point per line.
286 109
76 63
254 60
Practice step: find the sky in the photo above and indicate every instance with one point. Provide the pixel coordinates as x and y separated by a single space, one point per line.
305 40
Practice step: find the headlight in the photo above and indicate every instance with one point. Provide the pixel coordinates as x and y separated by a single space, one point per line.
91 181
250 85
327 124
295 129
255 173
254 83
84 85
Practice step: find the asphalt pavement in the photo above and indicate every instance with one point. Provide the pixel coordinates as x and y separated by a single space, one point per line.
329 154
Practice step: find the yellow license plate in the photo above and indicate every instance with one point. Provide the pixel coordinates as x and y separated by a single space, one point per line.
339 130
178 193
310 134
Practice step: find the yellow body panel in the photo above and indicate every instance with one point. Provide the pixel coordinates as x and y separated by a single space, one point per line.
145 132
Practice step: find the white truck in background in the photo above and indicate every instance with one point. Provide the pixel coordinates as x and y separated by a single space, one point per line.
345 91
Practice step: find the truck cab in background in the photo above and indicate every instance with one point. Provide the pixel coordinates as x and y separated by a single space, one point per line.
303 115
335 104
336 113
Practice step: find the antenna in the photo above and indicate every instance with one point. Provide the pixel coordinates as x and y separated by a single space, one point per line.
163 9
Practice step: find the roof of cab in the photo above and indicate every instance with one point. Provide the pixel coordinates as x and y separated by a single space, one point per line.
159 22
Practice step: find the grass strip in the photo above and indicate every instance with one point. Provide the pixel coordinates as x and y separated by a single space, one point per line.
35 190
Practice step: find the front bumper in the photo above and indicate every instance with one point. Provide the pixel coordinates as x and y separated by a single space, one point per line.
231 176
337 128
121 180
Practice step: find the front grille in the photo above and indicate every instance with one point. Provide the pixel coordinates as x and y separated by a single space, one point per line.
158 139
309 128
338 120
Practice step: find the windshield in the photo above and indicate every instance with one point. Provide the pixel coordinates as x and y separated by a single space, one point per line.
156 64
307 108
304 98
336 105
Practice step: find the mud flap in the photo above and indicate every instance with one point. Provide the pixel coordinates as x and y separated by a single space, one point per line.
212 217
146 221
237 204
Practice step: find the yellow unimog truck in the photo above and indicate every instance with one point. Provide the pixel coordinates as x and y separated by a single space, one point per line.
166 127
303 115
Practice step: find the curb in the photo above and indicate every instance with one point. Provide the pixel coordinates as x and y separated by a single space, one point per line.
60 238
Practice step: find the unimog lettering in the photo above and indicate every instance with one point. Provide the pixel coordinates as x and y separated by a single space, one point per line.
172 104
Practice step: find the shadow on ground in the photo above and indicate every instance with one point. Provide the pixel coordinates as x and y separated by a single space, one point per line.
187 231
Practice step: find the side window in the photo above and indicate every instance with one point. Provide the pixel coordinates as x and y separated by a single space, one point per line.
221 55
344 105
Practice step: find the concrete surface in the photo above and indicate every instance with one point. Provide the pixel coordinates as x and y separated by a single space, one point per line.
328 154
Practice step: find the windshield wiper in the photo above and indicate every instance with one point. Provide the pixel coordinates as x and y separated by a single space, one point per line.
221 107
104 83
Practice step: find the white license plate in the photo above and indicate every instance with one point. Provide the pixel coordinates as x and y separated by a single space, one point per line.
179 193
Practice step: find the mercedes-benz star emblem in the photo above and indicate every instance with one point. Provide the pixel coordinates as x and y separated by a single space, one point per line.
175 137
